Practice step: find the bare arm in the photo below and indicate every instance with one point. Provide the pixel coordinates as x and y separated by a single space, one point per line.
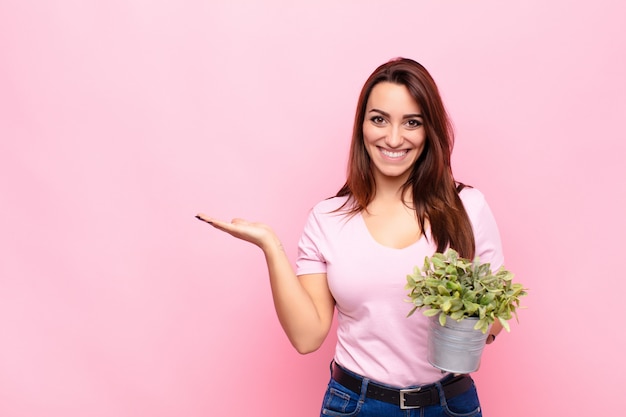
304 305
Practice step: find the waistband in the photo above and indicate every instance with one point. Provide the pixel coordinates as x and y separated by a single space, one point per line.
403 398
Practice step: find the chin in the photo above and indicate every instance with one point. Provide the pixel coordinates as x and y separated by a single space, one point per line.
395 173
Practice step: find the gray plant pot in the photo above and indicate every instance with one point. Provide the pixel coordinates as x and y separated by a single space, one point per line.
455 347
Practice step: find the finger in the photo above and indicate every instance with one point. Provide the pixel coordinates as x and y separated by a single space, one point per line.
204 218
214 222
232 227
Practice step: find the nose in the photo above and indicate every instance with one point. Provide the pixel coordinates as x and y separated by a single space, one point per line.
394 138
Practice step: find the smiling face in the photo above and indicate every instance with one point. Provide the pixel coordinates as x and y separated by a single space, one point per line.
393 131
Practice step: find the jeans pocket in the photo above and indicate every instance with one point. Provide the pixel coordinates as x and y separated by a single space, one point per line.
340 401
463 405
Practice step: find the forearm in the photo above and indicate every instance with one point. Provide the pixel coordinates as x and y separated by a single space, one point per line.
304 311
303 322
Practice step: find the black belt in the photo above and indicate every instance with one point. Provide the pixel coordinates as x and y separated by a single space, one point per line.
404 398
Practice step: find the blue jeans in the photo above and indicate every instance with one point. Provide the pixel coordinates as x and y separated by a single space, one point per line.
341 402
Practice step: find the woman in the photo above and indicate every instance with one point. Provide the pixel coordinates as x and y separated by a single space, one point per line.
399 204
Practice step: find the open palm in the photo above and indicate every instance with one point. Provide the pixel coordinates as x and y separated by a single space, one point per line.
257 233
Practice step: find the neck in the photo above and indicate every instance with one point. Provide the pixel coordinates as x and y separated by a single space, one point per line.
389 189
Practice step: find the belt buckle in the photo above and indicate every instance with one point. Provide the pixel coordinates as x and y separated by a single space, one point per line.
402 399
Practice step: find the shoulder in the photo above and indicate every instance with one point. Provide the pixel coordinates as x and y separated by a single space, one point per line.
472 198
331 206
486 234
329 213
325 219
475 204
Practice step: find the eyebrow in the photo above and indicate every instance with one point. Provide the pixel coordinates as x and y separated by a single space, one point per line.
406 116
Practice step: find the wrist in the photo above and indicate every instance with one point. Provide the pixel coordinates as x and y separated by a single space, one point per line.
272 244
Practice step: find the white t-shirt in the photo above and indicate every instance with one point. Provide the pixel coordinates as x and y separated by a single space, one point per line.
374 336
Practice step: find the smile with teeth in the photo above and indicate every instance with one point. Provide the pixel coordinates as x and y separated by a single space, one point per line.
394 154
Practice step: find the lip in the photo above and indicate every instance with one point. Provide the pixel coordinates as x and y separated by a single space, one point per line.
393 155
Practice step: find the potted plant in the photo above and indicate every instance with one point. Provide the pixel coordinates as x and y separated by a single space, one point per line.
463 298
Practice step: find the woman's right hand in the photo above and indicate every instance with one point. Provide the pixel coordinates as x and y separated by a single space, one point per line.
256 233
304 307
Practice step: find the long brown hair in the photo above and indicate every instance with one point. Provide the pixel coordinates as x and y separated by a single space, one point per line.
435 196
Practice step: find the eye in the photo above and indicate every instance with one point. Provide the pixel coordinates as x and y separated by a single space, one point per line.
414 123
377 120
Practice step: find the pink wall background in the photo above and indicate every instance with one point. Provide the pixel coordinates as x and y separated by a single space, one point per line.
120 120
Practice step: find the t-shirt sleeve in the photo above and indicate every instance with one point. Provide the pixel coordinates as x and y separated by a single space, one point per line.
310 259
486 234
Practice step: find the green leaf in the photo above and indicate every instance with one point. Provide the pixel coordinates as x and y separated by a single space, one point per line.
505 324
431 299
443 290
442 319
482 325
470 307
451 270
431 312
487 298
457 315
456 304
432 282
437 262
449 285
